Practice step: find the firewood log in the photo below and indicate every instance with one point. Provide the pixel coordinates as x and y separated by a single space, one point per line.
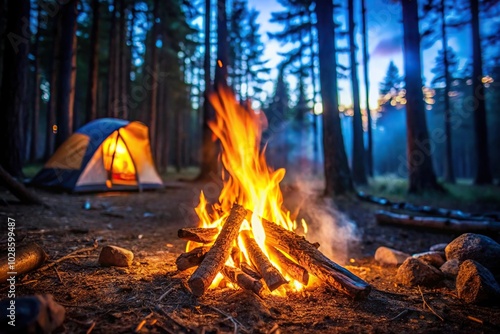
250 270
269 273
295 271
243 280
192 258
198 234
217 255
314 261
27 258
436 223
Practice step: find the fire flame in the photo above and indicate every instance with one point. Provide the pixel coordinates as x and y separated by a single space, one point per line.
247 178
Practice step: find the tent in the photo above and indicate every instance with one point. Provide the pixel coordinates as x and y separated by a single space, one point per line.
105 154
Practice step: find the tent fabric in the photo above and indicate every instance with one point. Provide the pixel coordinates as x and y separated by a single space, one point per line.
105 154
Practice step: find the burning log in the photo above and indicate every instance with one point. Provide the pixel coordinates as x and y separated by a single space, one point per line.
243 280
192 258
217 255
315 262
295 271
198 234
269 273
437 223
250 271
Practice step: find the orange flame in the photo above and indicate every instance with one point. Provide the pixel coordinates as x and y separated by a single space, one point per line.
250 182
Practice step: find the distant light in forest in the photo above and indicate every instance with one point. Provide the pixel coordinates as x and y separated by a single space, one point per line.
219 62
318 108
54 129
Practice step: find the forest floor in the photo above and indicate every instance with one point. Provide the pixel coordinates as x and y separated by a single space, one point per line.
152 294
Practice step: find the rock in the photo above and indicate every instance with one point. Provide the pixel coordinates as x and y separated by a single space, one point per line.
435 259
438 247
415 272
115 256
389 256
476 284
477 247
450 267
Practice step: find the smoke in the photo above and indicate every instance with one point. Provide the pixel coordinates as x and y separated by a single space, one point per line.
332 229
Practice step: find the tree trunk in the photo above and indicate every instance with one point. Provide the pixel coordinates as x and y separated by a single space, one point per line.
14 86
67 71
358 146
36 91
369 151
208 165
483 172
52 103
94 64
220 79
111 112
337 174
449 175
419 149
122 61
154 64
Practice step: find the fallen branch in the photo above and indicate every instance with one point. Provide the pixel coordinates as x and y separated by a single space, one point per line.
437 223
19 190
269 273
425 304
69 256
314 261
28 258
217 255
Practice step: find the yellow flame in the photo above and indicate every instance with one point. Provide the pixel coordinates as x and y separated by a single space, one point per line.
249 180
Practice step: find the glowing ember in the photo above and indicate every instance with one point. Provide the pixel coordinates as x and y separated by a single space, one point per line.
249 181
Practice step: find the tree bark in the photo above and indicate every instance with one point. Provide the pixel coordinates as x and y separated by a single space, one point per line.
67 72
369 151
243 280
14 86
358 146
419 148
208 165
337 174
93 64
218 254
483 171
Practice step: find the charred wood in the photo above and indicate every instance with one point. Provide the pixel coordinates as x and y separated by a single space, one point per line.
198 234
297 272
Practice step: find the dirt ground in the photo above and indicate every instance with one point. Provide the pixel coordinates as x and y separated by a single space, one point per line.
151 294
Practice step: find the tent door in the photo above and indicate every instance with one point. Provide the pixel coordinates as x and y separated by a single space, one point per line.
117 161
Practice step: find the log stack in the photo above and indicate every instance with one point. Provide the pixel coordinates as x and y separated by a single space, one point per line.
295 256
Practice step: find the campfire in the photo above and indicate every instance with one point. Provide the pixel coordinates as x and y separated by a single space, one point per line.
248 239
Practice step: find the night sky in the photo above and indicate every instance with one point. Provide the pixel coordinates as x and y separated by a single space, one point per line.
384 43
